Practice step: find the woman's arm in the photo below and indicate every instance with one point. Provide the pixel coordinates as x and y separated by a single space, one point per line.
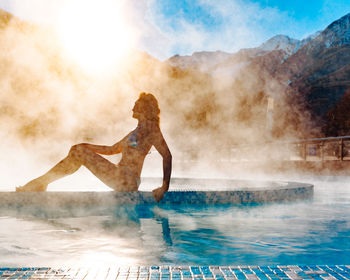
163 149
104 150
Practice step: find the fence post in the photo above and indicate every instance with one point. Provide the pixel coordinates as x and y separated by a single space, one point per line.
341 149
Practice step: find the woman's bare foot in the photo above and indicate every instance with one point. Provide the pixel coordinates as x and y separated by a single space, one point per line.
32 186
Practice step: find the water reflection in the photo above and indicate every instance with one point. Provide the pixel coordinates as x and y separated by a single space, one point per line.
308 231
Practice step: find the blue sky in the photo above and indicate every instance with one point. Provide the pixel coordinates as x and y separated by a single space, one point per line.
169 27
233 24
310 14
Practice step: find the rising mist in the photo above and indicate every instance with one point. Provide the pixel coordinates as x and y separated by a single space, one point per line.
49 103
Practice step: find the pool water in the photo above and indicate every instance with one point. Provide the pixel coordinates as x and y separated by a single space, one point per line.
313 231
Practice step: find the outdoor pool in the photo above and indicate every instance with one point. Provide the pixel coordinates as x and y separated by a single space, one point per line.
309 231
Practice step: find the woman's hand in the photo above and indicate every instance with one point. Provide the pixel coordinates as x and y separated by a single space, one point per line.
159 193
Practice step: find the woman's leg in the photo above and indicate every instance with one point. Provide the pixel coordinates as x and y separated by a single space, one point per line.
79 155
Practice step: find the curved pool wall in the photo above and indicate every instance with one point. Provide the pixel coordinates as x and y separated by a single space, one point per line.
183 191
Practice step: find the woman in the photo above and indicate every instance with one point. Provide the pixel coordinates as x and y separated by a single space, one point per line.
134 147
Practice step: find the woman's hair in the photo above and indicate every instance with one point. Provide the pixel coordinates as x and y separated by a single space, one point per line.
149 106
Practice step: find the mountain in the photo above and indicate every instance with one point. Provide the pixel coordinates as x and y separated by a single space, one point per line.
5 18
319 71
203 61
337 33
280 42
335 37
206 61
314 72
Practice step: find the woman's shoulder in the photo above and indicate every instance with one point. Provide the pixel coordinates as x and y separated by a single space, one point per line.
154 127
153 131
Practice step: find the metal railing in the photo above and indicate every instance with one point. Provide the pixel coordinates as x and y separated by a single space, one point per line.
330 148
316 149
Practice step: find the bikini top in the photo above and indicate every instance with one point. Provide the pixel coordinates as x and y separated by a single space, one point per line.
132 139
135 143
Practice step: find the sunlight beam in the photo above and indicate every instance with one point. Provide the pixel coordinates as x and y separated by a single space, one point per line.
95 34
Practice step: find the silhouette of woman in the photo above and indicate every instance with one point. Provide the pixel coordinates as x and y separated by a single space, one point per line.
125 176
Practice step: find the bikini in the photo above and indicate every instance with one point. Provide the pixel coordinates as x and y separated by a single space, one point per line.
131 141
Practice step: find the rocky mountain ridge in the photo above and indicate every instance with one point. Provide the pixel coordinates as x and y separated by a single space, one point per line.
319 72
207 61
315 70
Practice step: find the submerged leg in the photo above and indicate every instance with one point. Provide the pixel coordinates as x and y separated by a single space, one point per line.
77 156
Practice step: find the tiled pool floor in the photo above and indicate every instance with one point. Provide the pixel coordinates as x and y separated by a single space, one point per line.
283 272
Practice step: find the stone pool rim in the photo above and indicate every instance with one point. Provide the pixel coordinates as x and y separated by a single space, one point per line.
277 191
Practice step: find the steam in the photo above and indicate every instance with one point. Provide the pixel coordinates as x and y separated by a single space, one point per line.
49 103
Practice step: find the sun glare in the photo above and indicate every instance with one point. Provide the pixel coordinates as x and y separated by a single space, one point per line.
95 34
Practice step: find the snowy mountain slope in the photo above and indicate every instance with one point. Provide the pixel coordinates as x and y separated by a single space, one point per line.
222 63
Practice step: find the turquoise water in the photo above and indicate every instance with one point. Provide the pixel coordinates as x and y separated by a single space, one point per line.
314 231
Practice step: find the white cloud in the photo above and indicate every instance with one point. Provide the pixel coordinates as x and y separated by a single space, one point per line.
242 24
